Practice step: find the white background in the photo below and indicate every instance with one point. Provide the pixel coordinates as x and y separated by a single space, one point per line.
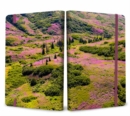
29 6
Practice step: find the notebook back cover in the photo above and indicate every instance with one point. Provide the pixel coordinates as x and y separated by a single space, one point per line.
34 60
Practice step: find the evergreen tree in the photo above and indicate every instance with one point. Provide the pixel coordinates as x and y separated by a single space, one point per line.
55 57
60 49
46 62
43 45
72 40
52 45
49 58
43 51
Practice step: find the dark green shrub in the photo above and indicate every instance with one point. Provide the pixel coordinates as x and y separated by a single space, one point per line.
123 82
105 51
105 42
121 56
8 59
122 42
77 80
27 70
43 70
53 90
28 99
122 95
74 67
78 67
33 82
76 72
58 72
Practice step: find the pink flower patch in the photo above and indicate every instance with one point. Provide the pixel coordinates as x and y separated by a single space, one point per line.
40 62
55 27
98 31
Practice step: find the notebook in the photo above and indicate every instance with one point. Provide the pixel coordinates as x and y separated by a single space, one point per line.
96 60
34 60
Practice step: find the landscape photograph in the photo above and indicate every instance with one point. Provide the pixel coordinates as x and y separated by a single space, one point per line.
91 60
34 60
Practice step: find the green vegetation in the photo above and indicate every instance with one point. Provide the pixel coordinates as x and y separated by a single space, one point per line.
75 77
44 20
52 91
121 93
11 40
76 26
28 99
15 78
104 51
8 59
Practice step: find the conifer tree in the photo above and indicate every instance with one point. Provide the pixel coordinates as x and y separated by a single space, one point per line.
55 56
52 45
43 51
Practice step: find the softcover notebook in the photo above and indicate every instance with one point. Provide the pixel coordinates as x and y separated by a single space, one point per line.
96 60
34 60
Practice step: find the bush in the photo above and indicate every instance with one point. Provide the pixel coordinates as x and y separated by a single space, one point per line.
122 95
59 82
53 90
105 42
43 70
123 82
121 56
75 36
105 51
74 67
75 72
33 82
77 80
27 70
75 77
8 59
122 42
57 72
28 99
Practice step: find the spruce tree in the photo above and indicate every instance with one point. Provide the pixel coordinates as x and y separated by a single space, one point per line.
43 45
55 56
46 62
52 45
43 51
49 58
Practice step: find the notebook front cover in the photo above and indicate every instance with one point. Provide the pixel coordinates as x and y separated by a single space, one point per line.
34 60
91 60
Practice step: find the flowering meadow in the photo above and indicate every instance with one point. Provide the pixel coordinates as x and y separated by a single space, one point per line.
34 60
91 60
